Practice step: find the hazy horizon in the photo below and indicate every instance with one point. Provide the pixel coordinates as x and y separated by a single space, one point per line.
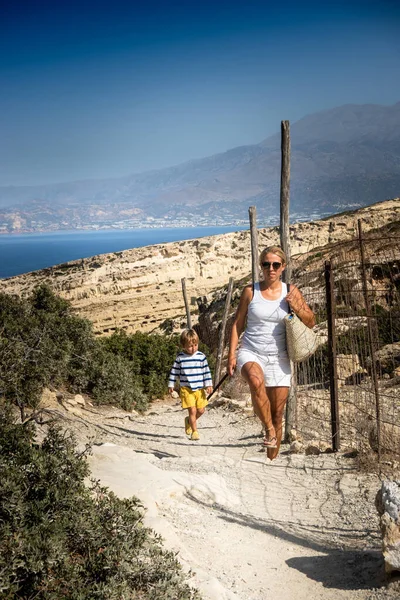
104 90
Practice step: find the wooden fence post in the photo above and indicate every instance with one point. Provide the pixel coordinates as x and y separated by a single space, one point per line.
371 341
221 341
255 269
285 197
333 382
285 244
188 317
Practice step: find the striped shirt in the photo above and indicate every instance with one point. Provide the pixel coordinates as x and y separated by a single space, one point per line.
192 369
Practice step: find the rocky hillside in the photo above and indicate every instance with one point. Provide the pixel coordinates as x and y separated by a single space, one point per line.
139 289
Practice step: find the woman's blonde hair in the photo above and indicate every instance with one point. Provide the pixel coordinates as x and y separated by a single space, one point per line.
188 335
273 250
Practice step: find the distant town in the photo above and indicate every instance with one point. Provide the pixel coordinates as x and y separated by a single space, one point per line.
40 219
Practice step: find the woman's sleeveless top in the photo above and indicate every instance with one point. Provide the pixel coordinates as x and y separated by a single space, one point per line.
265 332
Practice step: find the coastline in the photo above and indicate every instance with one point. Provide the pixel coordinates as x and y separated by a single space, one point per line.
25 232
24 253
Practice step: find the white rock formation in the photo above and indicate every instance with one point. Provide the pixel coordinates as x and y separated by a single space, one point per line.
388 505
138 289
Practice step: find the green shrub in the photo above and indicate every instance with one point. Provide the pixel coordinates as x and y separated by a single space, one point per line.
151 357
112 381
43 343
61 540
28 359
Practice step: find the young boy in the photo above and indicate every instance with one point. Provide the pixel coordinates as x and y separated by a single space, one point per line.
195 381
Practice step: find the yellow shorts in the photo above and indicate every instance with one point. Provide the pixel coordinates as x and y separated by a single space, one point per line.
191 398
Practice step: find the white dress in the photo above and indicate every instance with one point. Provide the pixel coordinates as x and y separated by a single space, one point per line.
264 340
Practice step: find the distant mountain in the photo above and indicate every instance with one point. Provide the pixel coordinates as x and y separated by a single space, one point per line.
344 157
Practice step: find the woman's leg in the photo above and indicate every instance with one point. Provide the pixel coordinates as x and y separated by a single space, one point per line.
277 399
253 374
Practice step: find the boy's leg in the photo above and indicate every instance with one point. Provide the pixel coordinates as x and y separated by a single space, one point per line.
201 402
188 427
193 417
199 412
189 403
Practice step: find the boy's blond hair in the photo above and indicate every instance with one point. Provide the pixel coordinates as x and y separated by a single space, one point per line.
188 335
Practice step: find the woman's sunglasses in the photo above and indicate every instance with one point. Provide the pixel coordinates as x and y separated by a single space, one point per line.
267 265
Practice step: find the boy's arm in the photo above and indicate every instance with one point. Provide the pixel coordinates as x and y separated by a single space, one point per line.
207 377
173 375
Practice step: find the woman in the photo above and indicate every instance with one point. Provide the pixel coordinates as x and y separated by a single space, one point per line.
262 357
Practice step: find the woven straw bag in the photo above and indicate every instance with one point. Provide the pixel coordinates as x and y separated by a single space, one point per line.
301 341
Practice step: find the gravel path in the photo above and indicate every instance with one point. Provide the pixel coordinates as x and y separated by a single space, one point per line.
299 527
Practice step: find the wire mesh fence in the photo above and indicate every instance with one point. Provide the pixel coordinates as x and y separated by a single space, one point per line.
365 275
366 317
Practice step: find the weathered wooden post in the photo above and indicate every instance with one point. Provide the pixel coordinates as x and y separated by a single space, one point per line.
285 244
221 341
188 317
371 340
285 197
255 269
333 380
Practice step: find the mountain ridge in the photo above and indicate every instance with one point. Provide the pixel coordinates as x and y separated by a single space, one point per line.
348 154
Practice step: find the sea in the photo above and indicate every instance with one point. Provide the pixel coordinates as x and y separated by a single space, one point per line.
30 252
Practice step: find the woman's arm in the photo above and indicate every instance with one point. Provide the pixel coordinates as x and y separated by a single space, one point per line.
238 326
300 306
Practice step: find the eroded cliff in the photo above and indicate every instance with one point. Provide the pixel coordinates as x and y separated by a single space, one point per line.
139 289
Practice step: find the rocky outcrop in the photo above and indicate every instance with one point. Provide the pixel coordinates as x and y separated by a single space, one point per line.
349 369
139 289
389 438
387 358
388 505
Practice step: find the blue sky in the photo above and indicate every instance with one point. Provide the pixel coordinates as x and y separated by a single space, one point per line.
102 89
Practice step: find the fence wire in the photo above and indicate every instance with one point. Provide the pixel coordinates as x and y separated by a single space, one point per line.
367 329
367 333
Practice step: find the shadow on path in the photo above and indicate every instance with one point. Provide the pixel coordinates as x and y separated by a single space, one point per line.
343 569
347 569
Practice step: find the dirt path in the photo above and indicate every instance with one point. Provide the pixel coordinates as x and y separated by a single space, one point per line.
301 527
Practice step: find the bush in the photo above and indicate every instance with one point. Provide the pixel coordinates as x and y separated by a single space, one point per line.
61 540
28 359
151 357
112 381
43 343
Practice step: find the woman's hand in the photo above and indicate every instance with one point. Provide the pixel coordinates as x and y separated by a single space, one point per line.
299 306
231 365
295 299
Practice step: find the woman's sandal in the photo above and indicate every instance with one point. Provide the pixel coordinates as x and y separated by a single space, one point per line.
272 443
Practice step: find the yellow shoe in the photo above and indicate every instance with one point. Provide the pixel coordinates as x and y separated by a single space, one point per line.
195 436
188 429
